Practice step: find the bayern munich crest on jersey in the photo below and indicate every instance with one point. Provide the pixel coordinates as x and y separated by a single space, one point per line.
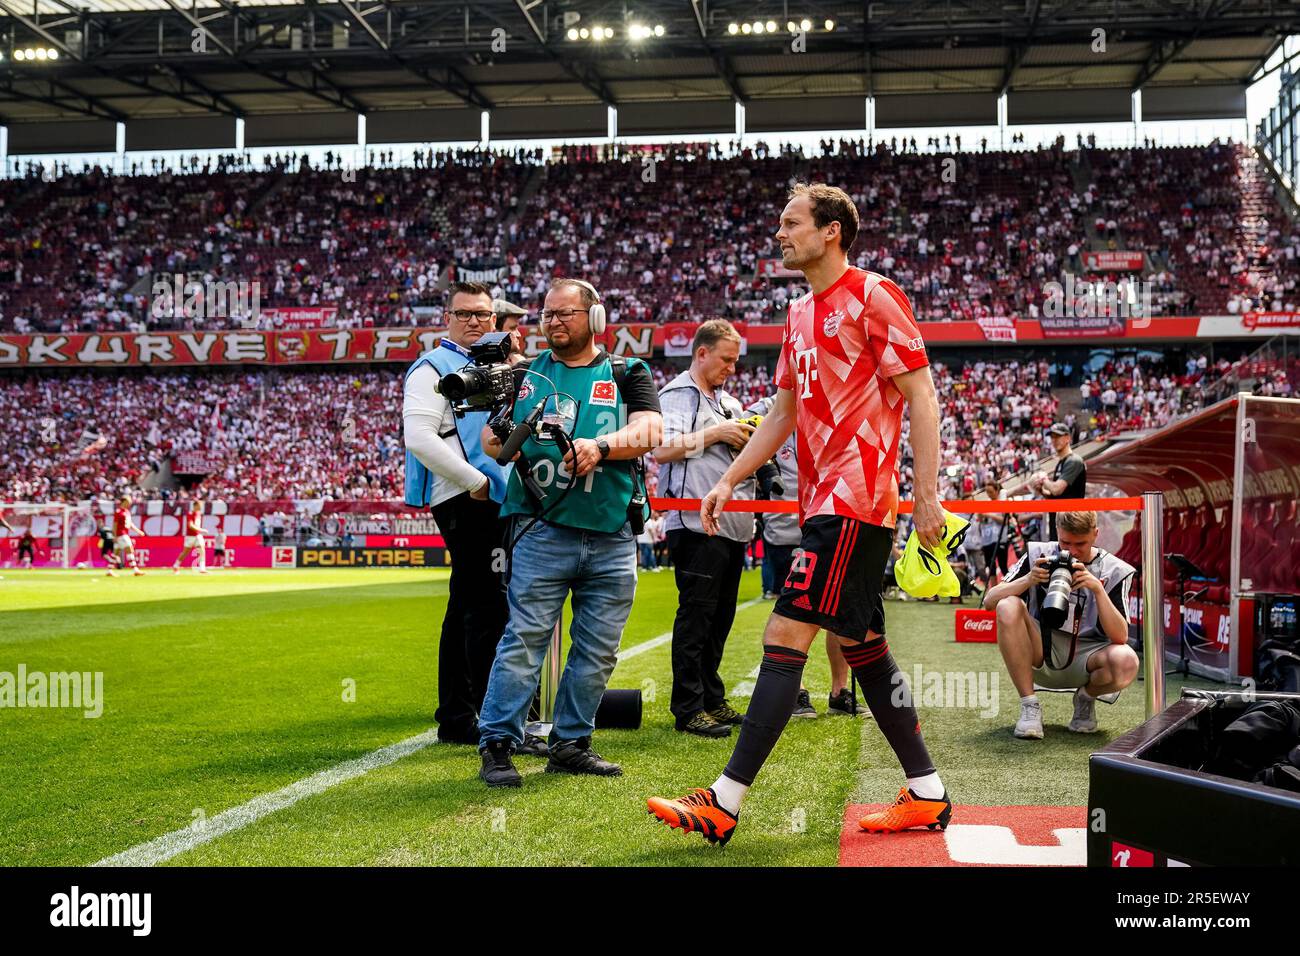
831 324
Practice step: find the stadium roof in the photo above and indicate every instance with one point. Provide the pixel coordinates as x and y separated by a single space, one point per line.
159 59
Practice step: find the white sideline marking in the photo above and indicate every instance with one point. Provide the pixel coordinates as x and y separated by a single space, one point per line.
998 846
746 687
236 818
172 844
667 636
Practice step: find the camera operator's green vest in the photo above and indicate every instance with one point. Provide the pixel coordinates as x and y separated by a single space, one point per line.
589 405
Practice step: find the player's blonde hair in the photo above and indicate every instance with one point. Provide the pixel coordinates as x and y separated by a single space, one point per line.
1077 522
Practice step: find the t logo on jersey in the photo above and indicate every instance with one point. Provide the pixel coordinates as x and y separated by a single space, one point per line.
602 393
805 361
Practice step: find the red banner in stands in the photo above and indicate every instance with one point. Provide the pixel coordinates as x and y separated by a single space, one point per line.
997 328
329 346
677 338
1114 261
305 317
1076 326
1270 320
234 347
775 269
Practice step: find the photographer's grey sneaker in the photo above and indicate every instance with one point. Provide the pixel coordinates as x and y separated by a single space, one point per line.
803 706
1085 714
1030 724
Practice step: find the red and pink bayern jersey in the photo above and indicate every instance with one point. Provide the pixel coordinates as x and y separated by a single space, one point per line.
121 521
841 350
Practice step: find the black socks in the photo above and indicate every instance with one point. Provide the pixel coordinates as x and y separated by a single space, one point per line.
885 691
775 694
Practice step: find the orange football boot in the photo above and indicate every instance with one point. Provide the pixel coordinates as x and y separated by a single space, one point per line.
697 812
909 811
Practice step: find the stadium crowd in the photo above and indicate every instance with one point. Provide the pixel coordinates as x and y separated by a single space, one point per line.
335 433
258 435
666 232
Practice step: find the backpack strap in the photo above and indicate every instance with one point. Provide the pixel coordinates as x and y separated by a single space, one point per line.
618 365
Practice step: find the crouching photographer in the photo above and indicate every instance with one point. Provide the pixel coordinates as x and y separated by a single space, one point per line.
579 423
1063 624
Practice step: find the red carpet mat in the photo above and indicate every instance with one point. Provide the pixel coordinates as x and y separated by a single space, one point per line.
977 836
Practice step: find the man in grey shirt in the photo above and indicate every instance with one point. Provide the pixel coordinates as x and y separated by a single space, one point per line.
1068 480
702 432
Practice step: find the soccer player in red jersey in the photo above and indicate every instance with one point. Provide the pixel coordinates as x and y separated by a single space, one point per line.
192 529
851 356
123 528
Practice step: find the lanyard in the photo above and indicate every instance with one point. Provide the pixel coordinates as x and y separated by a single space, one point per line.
1049 645
1074 637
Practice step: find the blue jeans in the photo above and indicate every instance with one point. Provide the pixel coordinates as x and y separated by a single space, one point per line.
547 564
647 556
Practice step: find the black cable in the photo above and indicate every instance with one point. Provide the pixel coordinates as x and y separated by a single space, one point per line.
557 434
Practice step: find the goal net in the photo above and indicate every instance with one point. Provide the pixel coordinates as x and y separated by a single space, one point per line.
62 535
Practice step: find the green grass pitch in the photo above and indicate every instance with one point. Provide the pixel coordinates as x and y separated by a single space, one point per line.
222 688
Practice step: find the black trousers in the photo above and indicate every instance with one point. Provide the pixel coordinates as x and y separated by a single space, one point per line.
781 557
476 606
998 553
708 571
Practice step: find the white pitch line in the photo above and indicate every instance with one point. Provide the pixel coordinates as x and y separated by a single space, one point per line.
236 818
667 636
746 687
172 844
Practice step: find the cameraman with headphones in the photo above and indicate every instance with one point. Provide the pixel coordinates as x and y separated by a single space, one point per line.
702 433
571 497
448 472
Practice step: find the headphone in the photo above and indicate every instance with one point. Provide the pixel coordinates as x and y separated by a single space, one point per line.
596 314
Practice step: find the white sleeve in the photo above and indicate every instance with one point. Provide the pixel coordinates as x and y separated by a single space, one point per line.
423 413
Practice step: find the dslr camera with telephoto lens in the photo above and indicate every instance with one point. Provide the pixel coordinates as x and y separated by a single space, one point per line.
1055 606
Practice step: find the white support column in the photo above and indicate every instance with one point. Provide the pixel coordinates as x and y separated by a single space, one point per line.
1238 504
1153 601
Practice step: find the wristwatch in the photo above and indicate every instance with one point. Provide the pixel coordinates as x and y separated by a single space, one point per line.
603 447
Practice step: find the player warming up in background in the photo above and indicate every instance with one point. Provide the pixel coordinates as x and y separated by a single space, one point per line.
123 528
220 558
192 529
852 355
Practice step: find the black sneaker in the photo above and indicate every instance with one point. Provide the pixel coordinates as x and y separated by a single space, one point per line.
726 714
703 725
803 706
845 703
497 769
458 734
533 746
576 756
